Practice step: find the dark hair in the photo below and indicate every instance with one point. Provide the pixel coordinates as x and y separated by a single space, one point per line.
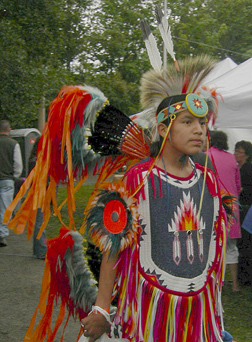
155 147
168 101
219 140
247 146
4 126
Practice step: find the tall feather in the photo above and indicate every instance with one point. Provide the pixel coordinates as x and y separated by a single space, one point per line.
151 46
165 31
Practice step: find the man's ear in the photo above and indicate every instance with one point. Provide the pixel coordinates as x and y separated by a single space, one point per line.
162 128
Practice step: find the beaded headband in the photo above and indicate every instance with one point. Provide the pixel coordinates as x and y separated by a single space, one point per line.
195 104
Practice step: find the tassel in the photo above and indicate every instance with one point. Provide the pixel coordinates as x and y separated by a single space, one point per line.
60 156
200 245
176 249
189 248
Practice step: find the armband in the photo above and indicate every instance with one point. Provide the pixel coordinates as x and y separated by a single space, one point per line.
97 309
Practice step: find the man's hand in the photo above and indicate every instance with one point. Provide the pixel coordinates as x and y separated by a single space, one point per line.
95 325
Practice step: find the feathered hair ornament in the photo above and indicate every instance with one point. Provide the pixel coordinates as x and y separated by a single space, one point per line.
151 46
165 32
183 77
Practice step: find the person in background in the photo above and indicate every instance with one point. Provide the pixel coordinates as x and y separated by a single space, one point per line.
228 176
11 167
243 156
39 245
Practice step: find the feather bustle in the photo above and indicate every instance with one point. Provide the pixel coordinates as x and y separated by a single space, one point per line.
72 108
66 277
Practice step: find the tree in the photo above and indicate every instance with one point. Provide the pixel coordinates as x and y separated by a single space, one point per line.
47 43
39 39
216 27
234 16
115 56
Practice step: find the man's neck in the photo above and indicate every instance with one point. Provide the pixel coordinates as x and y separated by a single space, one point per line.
6 133
179 166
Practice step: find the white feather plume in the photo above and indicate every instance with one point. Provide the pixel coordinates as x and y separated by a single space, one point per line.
151 46
165 32
95 104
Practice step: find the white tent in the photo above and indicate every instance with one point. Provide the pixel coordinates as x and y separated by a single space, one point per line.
235 105
221 68
234 83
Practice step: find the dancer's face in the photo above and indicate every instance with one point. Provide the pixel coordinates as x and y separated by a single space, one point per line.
187 135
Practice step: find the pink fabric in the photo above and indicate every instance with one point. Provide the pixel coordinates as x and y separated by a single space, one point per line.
228 176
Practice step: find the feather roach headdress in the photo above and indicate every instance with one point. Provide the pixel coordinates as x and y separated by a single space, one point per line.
157 85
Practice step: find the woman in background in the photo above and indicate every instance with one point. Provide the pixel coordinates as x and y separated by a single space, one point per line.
243 156
228 176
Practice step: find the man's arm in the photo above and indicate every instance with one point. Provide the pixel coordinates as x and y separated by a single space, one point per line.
95 324
17 164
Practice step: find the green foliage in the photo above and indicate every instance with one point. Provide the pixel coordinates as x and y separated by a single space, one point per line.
123 95
81 199
237 37
38 41
218 28
116 51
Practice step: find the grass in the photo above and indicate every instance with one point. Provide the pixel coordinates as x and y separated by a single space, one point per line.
237 306
237 310
81 198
